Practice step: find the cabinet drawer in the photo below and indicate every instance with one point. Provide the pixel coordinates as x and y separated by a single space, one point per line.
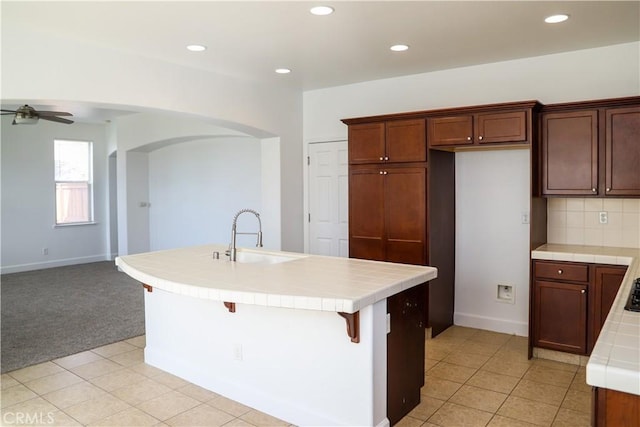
561 271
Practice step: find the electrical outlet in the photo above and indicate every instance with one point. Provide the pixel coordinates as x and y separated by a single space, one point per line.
525 218
604 218
505 294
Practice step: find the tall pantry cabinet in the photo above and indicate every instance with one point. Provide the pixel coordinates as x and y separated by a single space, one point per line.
394 214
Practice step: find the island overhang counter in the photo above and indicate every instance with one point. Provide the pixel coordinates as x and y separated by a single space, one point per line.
301 337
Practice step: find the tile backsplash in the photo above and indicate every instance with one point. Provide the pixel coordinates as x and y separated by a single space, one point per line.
576 221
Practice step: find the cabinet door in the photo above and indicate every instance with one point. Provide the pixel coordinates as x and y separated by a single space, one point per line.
560 316
406 141
502 127
622 153
366 214
448 131
606 284
405 215
405 351
366 143
570 153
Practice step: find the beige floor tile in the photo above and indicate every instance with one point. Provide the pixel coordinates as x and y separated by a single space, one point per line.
454 415
439 388
74 394
7 381
168 405
517 343
140 341
129 358
202 416
93 410
35 409
430 363
198 393
110 350
459 332
260 419
500 421
532 412
77 359
512 368
480 347
427 407
170 380
229 406
146 370
494 382
579 401
491 337
448 371
142 391
579 382
509 355
540 392
568 418
53 382
469 360
96 369
238 422
128 417
36 371
16 394
478 398
437 352
117 379
559 366
62 419
409 421
549 376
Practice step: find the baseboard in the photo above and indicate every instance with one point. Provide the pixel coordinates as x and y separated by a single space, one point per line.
491 324
18 268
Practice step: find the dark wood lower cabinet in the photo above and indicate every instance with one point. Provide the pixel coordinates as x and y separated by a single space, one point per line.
405 351
607 281
611 408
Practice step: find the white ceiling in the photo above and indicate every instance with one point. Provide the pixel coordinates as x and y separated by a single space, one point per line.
251 39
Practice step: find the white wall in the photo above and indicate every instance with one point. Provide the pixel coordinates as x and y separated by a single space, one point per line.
196 187
587 74
81 72
28 198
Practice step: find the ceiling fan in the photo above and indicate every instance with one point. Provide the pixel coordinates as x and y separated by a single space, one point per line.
27 115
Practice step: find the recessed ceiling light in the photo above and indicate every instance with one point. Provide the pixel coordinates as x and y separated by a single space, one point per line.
399 47
555 19
196 48
321 10
283 70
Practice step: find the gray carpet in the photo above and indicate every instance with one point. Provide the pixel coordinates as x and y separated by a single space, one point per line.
47 314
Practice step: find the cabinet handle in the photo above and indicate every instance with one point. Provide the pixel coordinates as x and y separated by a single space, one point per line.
560 271
381 158
582 291
468 138
385 172
381 173
608 189
386 158
593 190
480 137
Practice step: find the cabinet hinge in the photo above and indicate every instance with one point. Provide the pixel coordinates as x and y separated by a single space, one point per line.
309 217
308 160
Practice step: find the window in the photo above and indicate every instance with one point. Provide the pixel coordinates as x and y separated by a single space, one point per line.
74 179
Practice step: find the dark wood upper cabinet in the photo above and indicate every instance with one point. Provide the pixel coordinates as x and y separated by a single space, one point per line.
366 214
622 152
591 148
570 153
510 127
388 142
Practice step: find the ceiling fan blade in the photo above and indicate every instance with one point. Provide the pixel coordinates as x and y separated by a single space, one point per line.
56 119
53 113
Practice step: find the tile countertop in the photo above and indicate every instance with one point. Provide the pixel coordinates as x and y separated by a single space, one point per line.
615 360
310 282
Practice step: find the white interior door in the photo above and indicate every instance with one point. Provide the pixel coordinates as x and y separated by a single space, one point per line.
328 199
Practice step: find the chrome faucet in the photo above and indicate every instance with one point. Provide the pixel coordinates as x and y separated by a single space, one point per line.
231 252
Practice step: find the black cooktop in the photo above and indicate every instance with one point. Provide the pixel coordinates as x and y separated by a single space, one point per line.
633 304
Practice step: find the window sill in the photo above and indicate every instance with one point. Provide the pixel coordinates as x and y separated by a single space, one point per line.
74 224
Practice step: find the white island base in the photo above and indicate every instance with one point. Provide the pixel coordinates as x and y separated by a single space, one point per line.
296 365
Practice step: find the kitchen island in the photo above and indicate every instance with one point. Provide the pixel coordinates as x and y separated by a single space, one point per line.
300 337
614 364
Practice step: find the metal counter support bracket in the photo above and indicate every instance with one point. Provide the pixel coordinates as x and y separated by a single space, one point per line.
353 325
231 306
149 288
